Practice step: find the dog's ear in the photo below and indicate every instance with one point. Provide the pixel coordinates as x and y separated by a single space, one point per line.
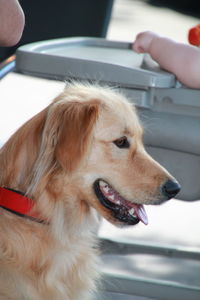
64 140
19 153
75 132
59 135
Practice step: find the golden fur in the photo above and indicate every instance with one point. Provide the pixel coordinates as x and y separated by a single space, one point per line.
55 158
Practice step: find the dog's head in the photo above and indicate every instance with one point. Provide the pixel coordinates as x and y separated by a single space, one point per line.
88 142
118 176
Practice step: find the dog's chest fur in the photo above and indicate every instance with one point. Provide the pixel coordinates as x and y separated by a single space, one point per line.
47 268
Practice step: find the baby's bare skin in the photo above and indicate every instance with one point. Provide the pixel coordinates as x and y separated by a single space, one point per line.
181 59
11 22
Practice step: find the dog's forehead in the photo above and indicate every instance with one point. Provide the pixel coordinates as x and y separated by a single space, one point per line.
117 119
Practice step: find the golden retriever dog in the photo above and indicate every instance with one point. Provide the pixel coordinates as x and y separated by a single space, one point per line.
81 157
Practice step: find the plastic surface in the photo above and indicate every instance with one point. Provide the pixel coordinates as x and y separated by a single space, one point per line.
92 59
118 296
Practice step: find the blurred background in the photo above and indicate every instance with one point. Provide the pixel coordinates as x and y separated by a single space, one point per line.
114 19
167 17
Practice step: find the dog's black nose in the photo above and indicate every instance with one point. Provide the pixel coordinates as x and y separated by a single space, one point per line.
171 188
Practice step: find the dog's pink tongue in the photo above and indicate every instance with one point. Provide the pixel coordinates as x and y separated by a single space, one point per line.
141 213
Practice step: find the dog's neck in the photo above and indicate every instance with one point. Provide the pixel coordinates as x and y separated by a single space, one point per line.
15 202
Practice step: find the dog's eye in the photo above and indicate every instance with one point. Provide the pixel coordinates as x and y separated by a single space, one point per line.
122 142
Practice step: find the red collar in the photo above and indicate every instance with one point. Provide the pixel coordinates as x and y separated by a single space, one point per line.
17 203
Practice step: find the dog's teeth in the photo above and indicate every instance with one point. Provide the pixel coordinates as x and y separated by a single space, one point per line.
118 202
106 189
131 211
103 184
112 197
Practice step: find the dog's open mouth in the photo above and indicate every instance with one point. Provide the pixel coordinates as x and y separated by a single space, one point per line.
122 209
